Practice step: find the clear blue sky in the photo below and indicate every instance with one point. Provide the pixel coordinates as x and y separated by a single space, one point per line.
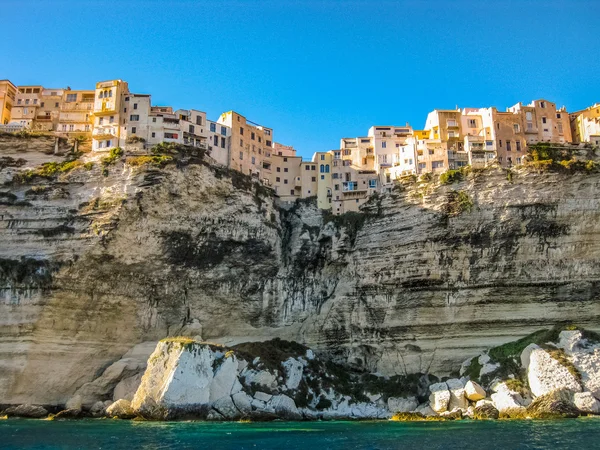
315 71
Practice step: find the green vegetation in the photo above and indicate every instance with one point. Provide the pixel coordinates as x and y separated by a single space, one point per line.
47 170
474 369
271 353
154 160
554 405
352 222
185 341
546 156
323 403
515 348
114 155
88 165
457 202
134 139
518 385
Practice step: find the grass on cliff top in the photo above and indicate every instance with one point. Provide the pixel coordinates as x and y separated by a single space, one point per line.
555 157
47 170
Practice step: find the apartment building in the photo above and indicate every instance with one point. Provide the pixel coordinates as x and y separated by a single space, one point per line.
219 141
541 121
109 115
250 146
585 125
27 101
8 92
285 175
75 113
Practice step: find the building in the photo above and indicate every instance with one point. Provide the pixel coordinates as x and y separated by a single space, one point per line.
284 174
250 146
585 125
541 121
219 141
8 92
109 114
75 114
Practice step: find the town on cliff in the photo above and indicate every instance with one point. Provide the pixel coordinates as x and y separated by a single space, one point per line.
111 118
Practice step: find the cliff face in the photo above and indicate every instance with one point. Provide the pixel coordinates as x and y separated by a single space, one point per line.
91 265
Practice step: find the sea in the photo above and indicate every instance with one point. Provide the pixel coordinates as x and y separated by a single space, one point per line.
582 433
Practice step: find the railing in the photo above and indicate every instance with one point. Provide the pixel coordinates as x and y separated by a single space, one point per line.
12 128
76 107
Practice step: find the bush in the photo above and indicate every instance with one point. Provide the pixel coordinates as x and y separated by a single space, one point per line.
47 170
457 203
133 139
115 154
154 160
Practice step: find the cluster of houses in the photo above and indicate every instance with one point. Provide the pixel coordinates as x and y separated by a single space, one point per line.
341 179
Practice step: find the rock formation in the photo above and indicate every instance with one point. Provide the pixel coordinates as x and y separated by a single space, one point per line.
98 258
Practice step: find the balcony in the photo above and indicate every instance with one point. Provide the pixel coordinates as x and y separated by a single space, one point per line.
77 106
105 132
105 107
43 119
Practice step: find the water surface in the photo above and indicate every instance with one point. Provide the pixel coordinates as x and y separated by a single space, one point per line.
117 434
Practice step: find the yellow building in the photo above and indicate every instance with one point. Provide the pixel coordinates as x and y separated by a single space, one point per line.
8 92
108 114
251 146
585 125
76 110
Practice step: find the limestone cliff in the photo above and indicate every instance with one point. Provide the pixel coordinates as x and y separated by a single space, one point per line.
98 259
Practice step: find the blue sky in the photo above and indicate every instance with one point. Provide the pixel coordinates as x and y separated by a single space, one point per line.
314 71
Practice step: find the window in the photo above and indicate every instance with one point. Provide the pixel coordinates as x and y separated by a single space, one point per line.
64 127
383 144
336 187
213 127
518 144
508 146
543 120
153 134
529 126
326 168
498 125
542 104
284 159
292 192
191 128
346 162
71 127
516 127
154 119
518 160
285 169
437 164
253 160
322 168
500 143
171 136
108 143
133 130
451 122
198 120
452 134
307 167
222 141
284 181
241 142
313 167
241 155
35 101
242 131
268 143
278 180
322 177
126 99
472 123
110 93
42 104
322 157
18 101
558 115
124 109
278 169
87 127
56 105
252 136
223 131
314 179
100 120
111 119
71 97
25 110
134 117
335 175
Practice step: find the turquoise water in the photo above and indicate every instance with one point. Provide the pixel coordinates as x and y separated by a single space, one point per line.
114 434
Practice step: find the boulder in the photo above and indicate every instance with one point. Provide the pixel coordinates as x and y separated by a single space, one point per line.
98 409
262 396
69 414
485 411
227 408
127 387
439 397
74 402
555 404
587 363
426 410
30 411
285 407
457 394
474 391
121 409
571 341
455 414
526 355
243 402
262 378
224 378
293 373
399 404
178 377
586 402
505 399
546 374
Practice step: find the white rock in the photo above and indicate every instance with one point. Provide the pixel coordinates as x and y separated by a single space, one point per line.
474 391
372 397
310 355
586 402
97 408
587 364
526 355
178 375
285 407
570 341
121 409
545 374
483 359
237 386
293 372
242 364
74 402
223 380
262 396
484 402
439 397
242 402
226 408
505 399
399 404
261 378
426 410
488 368
469 412
457 394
